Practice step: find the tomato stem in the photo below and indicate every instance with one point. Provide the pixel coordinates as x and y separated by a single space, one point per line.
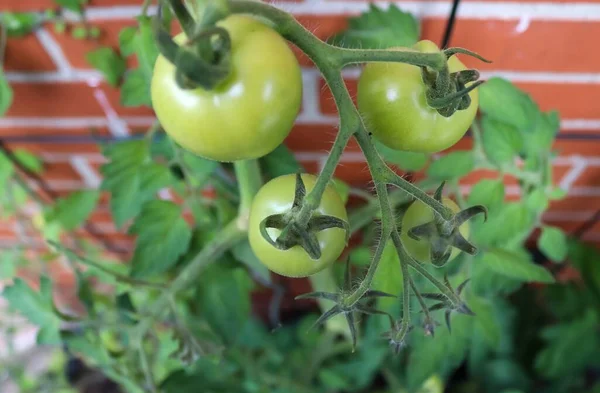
436 61
249 179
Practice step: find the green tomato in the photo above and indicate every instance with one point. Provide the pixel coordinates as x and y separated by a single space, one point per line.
419 213
392 102
276 197
246 116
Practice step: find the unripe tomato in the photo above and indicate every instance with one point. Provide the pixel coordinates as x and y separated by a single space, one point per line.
276 197
392 102
419 213
246 116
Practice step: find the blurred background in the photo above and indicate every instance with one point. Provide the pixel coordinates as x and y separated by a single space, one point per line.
63 105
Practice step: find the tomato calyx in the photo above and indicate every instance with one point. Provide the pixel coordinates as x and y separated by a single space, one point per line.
454 304
345 306
295 234
444 235
396 336
448 92
204 59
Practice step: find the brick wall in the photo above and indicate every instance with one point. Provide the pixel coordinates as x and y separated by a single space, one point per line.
544 47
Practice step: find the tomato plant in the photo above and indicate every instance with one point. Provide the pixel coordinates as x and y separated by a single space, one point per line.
195 307
419 213
392 98
249 113
276 197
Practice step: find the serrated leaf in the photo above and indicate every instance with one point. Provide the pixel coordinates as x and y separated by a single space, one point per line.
19 24
537 201
405 160
200 168
541 138
439 354
379 29
72 211
72 5
145 46
135 90
489 193
37 307
388 279
131 178
243 253
279 162
6 170
225 300
502 142
513 265
29 161
342 188
109 63
127 37
6 93
508 224
9 260
452 166
499 99
162 237
553 243
577 340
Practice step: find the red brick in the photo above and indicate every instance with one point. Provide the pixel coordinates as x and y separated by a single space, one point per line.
26 5
25 132
315 138
589 178
40 148
53 100
586 148
576 203
26 54
114 98
544 46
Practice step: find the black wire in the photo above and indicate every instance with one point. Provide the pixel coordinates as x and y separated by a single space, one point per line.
52 195
450 25
587 225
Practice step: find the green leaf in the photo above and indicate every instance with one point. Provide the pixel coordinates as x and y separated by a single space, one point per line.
585 258
72 5
279 162
502 101
127 38
225 300
331 380
486 318
388 279
541 138
440 354
489 193
553 243
342 188
513 265
19 24
537 201
452 166
109 63
145 47
379 29
502 142
71 212
200 168
135 90
557 194
9 260
405 160
6 170
360 256
508 224
162 237
131 178
6 93
243 253
29 161
571 347
37 307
